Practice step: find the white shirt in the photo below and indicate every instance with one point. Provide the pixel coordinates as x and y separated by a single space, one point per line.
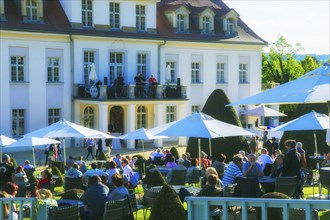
263 159
127 169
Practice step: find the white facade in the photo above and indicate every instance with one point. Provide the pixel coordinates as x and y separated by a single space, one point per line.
232 64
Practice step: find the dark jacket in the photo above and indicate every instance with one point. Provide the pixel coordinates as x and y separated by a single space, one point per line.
291 163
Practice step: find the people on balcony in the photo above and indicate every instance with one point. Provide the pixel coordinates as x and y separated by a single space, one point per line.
139 85
152 82
120 85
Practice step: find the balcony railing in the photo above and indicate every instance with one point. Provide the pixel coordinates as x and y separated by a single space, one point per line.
104 92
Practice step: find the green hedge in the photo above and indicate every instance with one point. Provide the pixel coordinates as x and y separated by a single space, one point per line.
273 213
60 180
215 106
59 165
175 152
72 194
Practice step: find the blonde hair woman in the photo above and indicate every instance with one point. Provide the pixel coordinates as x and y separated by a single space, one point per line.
209 171
47 196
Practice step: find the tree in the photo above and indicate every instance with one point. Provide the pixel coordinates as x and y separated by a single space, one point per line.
279 66
309 63
215 106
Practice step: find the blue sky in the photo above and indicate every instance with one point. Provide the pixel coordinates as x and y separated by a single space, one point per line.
305 22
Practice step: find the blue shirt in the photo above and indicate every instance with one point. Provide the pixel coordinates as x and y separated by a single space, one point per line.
253 172
118 193
231 173
95 197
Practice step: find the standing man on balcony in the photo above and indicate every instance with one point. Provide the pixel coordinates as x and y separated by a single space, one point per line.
120 85
139 85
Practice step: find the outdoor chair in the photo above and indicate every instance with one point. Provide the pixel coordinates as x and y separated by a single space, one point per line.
178 177
286 185
325 178
72 183
70 212
115 210
133 205
157 161
29 172
49 186
150 196
195 177
247 187
268 169
300 214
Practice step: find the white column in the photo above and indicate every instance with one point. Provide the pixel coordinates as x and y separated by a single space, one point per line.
77 115
181 112
130 124
159 120
103 120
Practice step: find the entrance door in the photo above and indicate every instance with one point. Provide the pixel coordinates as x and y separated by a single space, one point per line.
116 124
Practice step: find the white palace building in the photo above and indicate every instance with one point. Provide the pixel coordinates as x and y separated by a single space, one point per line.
50 49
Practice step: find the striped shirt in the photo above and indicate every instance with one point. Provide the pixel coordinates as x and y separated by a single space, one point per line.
231 173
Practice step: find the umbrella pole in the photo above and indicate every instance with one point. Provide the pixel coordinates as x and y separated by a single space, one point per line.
34 157
144 165
317 163
199 153
1 153
210 147
64 151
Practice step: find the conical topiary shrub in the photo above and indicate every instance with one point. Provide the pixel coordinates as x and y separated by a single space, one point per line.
59 165
13 162
72 194
215 106
273 213
156 179
101 156
307 137
139 163
59 181
168 206
175 153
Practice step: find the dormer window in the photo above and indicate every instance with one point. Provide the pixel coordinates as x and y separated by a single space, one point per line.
206 25
230 23
230 26
180 23
87 13
31 10
140 17
206 21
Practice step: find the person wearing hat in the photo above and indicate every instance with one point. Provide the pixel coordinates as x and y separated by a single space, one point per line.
27 165
7 172
180 166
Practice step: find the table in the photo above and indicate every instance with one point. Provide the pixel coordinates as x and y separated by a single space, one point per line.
266 179
191 189
63 202
162 170
267 183
115 143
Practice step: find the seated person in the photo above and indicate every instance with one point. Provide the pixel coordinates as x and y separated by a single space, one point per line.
131 161
233 170
27 165
126 168
139 85
208 172
187 162
111 171
193 166
94 198
278 165
20 176
264 158
117 159
211 185
70 162
83 167
120 191
6 208
156 153
74 172
92 172
252 168
171 163
180 166
242 152
167 156
46 196
46 177
326 161
220 165
204 160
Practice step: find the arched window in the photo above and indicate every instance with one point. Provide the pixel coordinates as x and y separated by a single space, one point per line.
180 23
141 117
89 118
206 25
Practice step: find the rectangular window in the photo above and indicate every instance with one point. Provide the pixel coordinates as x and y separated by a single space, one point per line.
17 68
116 65
53 115
195 72
195 109
243 73
31 10
142 64
141 117
206 25
18 126
87 13
170 76
53 69
89 58
220 72
180 23
140 17
170 114
114 15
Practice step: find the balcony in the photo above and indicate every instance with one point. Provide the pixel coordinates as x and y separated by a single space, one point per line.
130 92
